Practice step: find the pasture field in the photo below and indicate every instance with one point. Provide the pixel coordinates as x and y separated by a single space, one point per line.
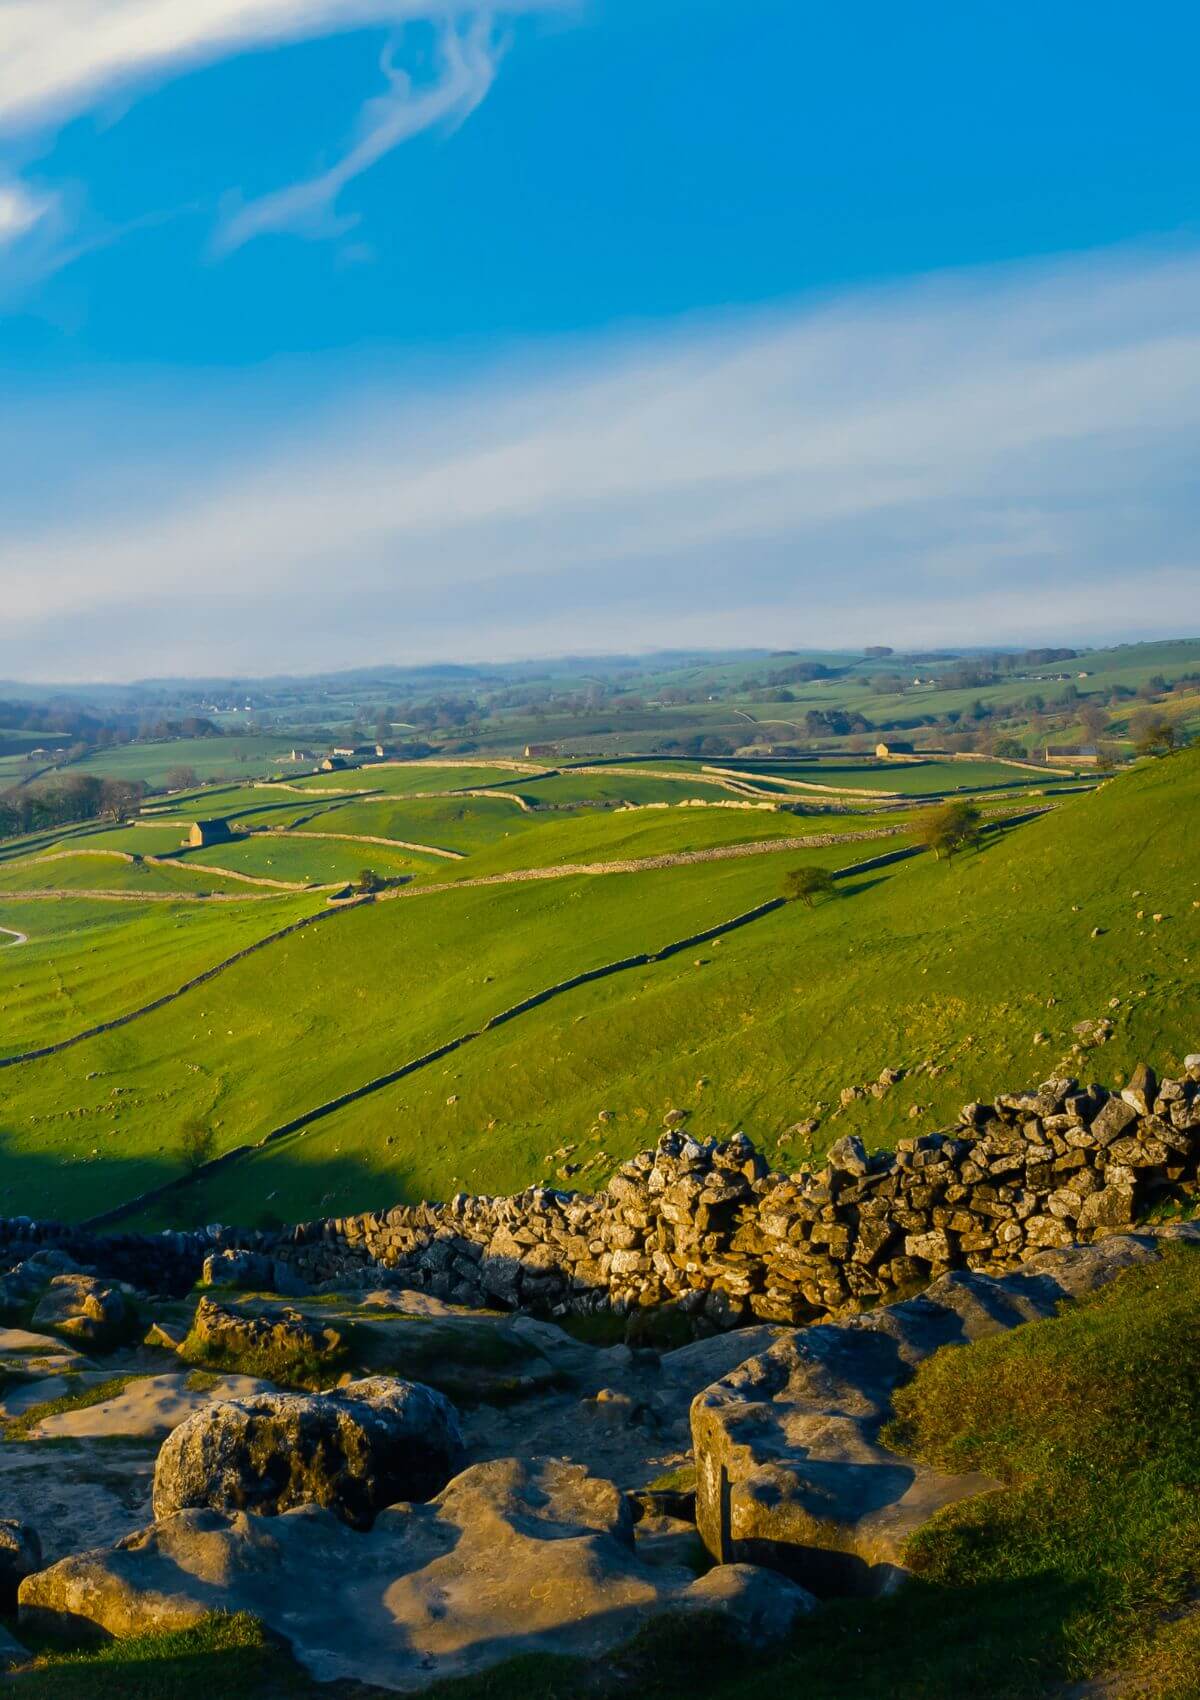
14 768
613 787
961 965
356 995
465 824
91 872
907 778
303 860
88 961
408 778
626 834
210 757
225 801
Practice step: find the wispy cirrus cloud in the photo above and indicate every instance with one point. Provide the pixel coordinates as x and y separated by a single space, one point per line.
467 67
1007 455
58 57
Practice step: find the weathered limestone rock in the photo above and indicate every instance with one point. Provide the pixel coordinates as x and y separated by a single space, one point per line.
790 1472
790 1469
511 1557
761 1605
221 1334
353 1452
84 1309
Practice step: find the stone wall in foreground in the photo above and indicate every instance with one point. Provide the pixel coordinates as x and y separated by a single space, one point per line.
709 1228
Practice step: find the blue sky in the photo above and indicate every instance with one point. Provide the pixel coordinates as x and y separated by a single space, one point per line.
341 331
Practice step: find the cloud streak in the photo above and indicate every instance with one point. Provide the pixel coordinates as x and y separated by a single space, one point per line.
1006 455
57 57
466 72
20 211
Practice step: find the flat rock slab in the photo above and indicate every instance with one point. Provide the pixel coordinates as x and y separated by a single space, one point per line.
22 1340
147 1409
790 1469
22 1396
512 1557
78 1496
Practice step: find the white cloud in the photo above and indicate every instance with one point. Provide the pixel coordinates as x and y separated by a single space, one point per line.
1002 456
58 56
20 211
467 69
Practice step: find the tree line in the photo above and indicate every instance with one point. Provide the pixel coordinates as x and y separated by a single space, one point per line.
68 801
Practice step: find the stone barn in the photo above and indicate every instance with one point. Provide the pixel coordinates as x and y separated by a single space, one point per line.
892 747
204 832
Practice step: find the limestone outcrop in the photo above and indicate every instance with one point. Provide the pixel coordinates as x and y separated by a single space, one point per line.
790 1468
352 1452
513 1556
85 1309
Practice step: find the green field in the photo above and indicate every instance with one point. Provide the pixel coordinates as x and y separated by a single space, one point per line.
89 961
210 757
626 834
959 965
332 1006
906 778
464 824
89 872
303 860
408 778
613 787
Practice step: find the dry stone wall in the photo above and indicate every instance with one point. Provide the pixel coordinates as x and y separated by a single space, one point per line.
710 1229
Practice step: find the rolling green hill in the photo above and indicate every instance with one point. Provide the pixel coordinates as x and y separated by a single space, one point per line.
961 965
949 971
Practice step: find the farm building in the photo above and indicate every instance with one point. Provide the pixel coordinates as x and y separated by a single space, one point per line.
203 832
540 752
333 764
1082 754
892 747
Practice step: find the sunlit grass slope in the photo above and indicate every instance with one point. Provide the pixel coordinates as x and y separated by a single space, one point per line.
961 965
86 961
307 1018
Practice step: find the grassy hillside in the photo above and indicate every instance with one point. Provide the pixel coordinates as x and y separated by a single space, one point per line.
961 965
86 961
975 970
82 871
321 1011
210 757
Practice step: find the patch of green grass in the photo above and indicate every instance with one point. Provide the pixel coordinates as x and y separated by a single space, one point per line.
211 758
631 834
682 1480
410 778
76 1399
300 1366
464 824
84 872
88 961
1091 1421
229 1655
